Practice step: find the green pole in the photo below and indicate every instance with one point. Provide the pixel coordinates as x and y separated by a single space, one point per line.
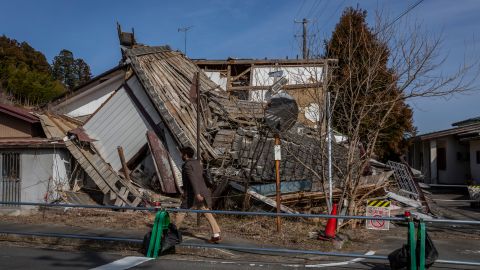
163 223
421 236
412 245
153 236
162 220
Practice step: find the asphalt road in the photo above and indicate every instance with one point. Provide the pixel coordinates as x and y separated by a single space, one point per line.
37 258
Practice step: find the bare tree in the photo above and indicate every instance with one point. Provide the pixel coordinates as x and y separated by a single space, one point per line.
413 60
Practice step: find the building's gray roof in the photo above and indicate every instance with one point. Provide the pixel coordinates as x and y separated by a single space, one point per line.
467 121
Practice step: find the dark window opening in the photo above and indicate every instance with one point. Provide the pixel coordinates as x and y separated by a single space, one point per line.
477 153
10 166
441 159
421 160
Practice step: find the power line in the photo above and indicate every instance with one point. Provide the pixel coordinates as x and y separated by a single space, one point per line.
313 9
335 12
321 10
300 9
400 16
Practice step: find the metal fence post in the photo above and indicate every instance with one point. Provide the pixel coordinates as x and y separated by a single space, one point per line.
421 236
412 246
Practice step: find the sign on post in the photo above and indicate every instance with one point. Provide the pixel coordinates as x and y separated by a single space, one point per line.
277 152
378 209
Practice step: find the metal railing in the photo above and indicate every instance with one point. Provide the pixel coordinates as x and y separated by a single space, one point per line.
10 190
237 213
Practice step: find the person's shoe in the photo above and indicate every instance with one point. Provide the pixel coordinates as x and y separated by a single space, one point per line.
215 239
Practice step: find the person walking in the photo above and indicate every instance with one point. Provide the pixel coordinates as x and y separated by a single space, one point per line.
196 195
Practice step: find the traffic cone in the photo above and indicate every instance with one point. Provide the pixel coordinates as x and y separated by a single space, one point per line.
331 227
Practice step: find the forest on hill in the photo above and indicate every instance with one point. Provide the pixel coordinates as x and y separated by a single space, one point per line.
26 77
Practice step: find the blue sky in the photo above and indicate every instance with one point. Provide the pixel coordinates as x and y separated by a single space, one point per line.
244 29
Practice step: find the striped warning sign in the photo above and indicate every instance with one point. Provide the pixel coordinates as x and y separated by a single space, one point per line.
379 203
378 209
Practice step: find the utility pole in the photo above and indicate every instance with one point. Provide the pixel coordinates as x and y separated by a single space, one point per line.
304 23
185 30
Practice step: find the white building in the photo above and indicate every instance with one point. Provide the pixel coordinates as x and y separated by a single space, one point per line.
450 156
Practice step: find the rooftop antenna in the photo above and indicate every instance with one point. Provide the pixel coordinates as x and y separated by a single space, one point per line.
185 30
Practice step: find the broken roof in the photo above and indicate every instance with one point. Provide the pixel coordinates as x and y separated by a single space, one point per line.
167 77
30 143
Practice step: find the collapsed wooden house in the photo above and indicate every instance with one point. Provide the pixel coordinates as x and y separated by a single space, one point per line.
124 130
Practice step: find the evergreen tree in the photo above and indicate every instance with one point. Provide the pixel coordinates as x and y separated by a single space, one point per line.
25 74
82 70
63 68
357 82
70 71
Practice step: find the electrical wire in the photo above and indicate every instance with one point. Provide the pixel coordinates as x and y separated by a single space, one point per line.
410 8
300 9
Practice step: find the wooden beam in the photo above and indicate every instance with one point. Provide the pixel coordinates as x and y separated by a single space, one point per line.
263 61
126 171
286 87
262 198
229 78
241 74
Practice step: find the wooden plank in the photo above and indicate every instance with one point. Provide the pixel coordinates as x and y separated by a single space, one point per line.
241 74
126 171
161 160
262 198
286 87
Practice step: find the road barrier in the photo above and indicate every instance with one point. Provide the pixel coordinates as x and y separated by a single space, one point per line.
412 240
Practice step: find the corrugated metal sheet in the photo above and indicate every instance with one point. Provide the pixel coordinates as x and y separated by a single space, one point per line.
118 123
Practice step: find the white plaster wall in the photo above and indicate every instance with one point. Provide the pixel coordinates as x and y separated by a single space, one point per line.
426 162
474 167
36 174
433 162
41 170
89 101
457 170
217 78
60 170
295 75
